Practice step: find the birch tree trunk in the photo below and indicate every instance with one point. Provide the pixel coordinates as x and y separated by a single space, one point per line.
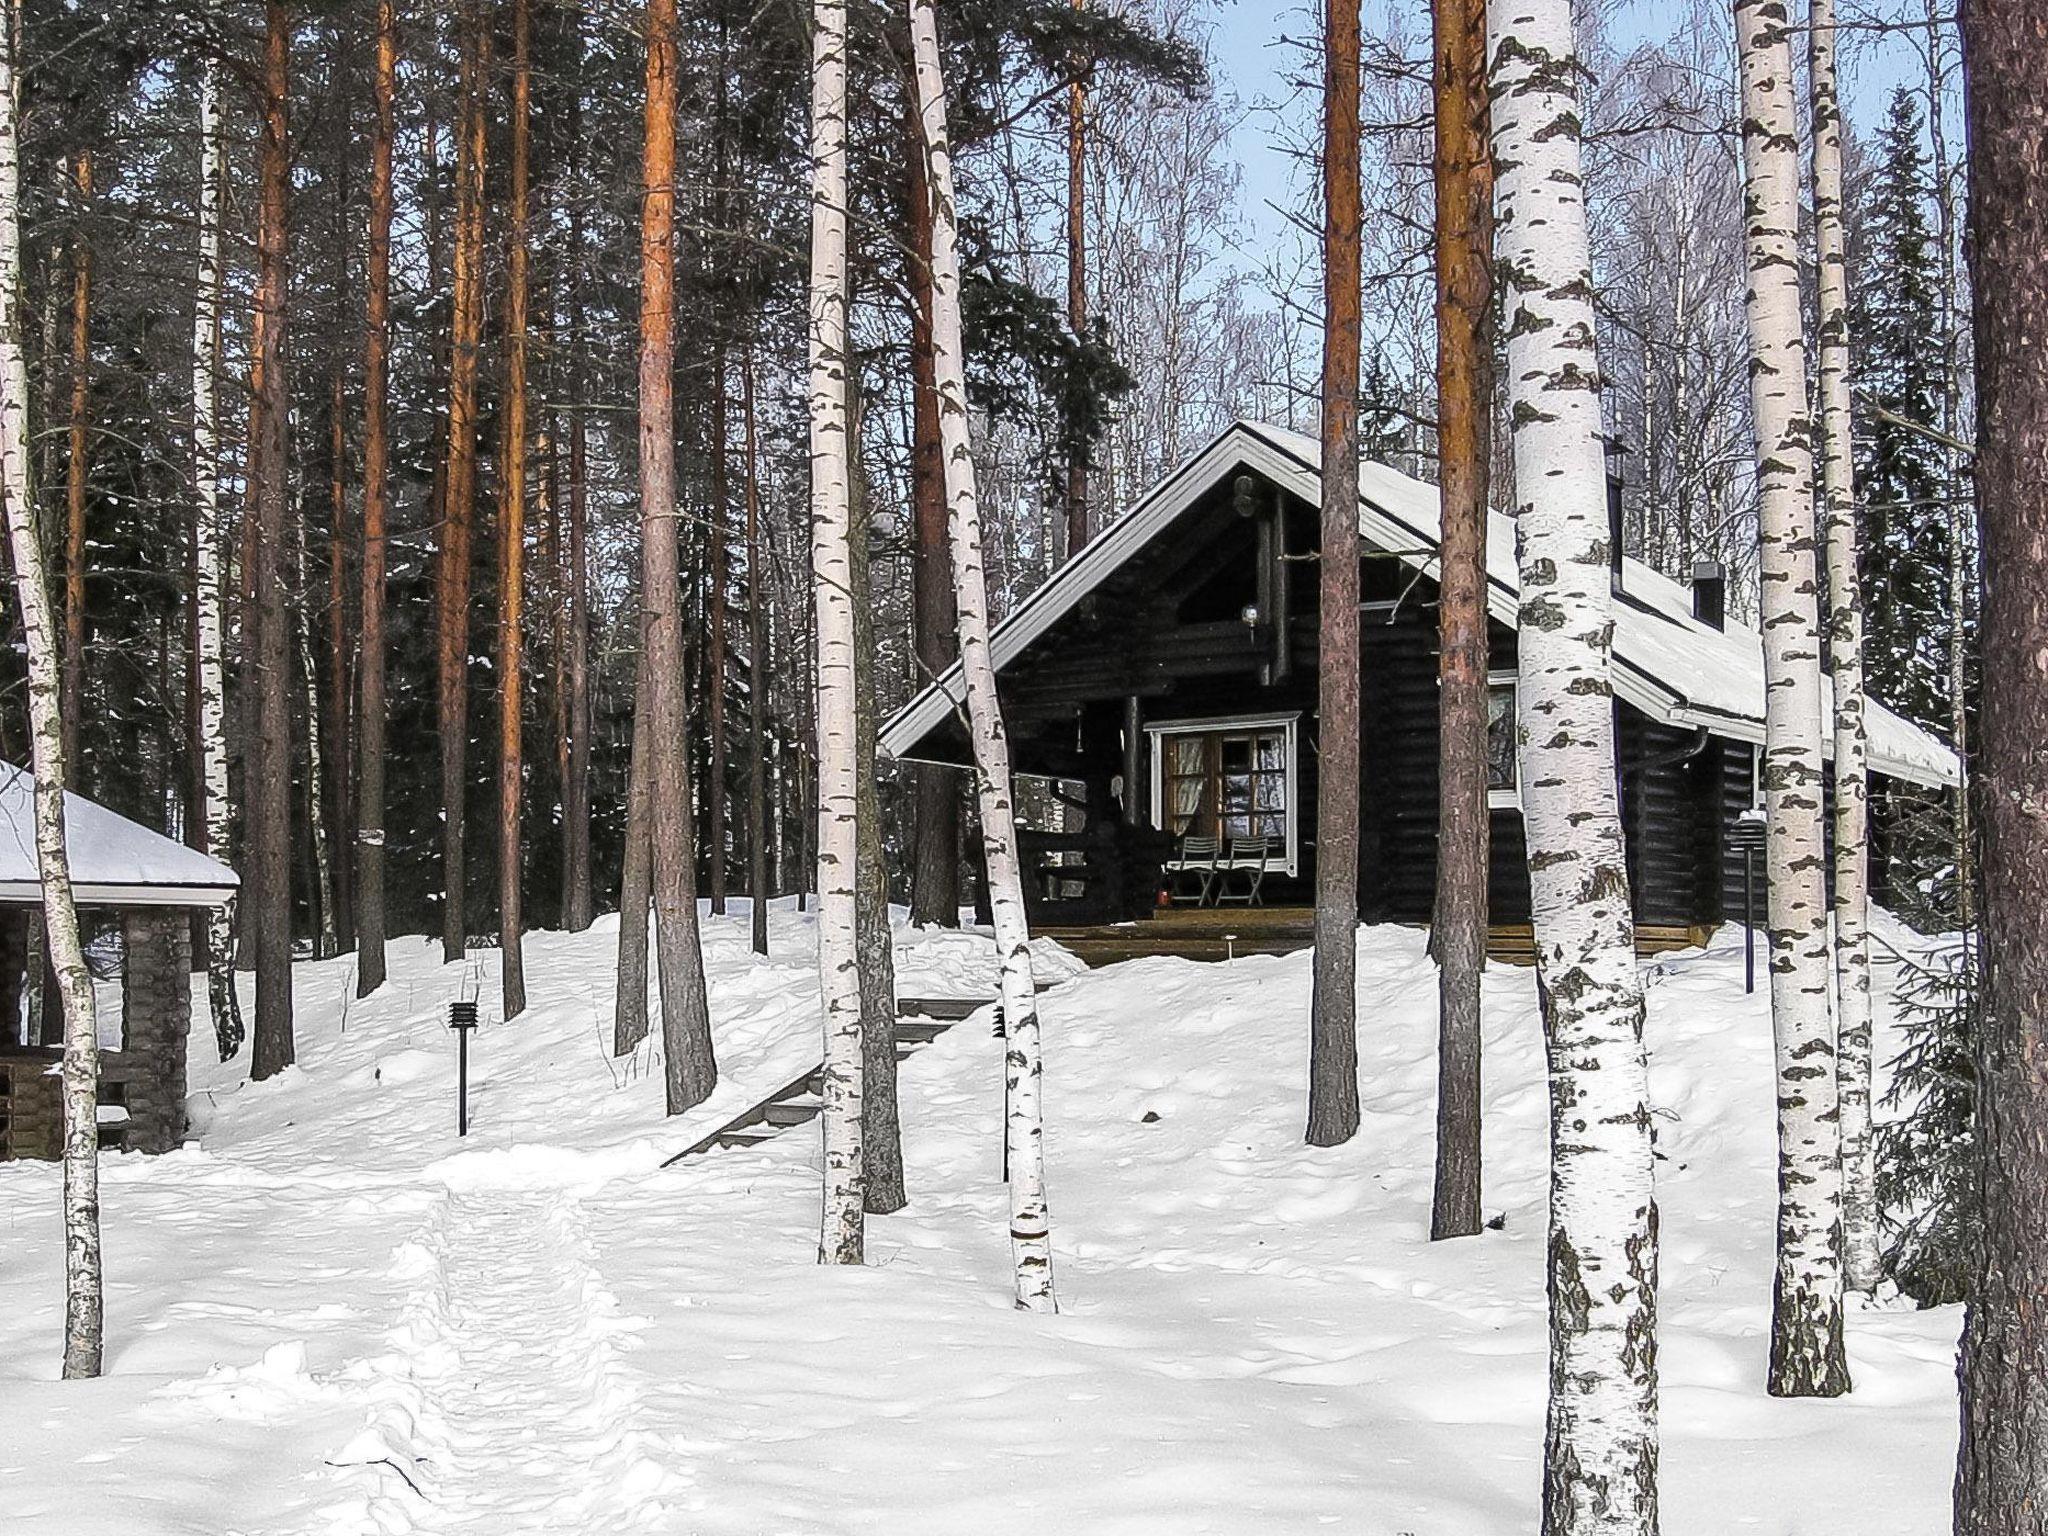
370 916
75 468
832 598
2002 1470
1024 1128
209 573
1860 1262
268 910
1806 1314
1464 307
1333 1027
1600 1436
512 546
458 509
83 1336
691 1069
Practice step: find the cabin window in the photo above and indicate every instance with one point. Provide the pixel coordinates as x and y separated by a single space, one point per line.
1503 776
1227 778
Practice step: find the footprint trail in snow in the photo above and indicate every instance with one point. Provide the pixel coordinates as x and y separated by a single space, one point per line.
505 1405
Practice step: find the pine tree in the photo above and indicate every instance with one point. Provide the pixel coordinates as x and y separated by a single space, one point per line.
1333 1025
1893 314
2002 1459
1464 267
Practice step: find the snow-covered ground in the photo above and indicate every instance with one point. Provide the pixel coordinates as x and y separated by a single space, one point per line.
332 1317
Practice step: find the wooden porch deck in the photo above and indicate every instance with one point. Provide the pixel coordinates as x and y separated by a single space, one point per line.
1212 933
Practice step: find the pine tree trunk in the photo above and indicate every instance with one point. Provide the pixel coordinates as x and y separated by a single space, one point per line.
1077 292
636 878
512 545
1600 1436
268 912
209 573
370 916
1806 1323
576 881
2002 1470
83 1322
1024 1127
1333 1037
881 1136
1860 1261
714 638
1464 308
935 881
833 599
458 510
691 1068
758 675
75 469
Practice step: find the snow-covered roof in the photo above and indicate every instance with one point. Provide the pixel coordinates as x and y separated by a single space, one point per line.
115 862
1667 663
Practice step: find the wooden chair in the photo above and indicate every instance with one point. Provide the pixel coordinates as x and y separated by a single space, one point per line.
1194 859
1250 857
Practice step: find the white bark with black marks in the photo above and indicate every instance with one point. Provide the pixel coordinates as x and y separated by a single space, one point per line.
209 538
840 1231
1860 1259
1024 1130
83 1330
1600 1439
1806 1314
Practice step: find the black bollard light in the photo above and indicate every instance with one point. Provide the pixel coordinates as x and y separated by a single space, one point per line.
1002 1033
1748 835
462 1019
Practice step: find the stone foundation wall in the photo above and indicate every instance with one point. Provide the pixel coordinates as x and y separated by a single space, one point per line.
146 1078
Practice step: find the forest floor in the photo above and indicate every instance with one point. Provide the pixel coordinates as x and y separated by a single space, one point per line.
330 1316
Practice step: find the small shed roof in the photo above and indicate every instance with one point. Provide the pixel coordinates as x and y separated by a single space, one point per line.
115 862
1667 663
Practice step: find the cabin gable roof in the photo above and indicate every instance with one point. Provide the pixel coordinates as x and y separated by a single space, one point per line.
1667 663
114 862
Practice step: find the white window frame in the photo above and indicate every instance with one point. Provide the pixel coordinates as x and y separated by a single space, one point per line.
1509 799
1287 720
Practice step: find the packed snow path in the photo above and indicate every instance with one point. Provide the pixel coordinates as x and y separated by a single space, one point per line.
509 1408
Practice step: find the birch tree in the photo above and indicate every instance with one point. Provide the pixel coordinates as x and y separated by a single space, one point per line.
841 1228
1806 1312
209 569
1600 1435
1860 1258
1023 1129
81 1064
2003 1456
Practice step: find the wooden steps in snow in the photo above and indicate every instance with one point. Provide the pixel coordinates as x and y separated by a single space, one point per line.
799 1102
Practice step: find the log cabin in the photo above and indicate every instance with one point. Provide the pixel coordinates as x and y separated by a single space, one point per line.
1166 680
